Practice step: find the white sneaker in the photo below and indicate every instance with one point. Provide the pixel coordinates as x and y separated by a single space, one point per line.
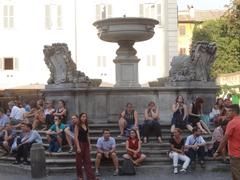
59 150
183 170
175 171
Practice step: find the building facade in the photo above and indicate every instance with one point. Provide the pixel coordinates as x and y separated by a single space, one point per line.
27 25
187 20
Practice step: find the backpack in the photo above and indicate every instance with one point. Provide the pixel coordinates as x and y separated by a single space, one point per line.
127 168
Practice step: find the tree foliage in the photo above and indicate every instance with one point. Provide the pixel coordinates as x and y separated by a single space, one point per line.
225 32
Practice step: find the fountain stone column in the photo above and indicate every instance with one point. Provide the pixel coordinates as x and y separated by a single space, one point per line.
126 31
126 64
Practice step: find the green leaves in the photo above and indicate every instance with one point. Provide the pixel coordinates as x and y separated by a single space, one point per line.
226 33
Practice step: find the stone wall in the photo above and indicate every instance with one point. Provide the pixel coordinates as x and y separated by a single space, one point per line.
105 104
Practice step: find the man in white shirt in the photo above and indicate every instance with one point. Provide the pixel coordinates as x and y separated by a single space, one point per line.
195 145
16 115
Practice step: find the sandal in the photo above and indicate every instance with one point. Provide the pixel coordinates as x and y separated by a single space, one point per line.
145 140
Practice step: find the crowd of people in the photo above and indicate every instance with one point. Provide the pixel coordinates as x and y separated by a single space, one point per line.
18 131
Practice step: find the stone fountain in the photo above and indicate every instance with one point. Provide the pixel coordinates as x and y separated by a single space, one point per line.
189 76
125 32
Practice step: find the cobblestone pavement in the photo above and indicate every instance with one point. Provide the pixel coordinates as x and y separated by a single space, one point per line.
151 174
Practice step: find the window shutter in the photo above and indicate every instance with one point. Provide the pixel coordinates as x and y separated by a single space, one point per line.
59 17
159 13
1 64
109 10
141 14
153 60
11 16
5 16
104 61
98 11
148 60
98 61
16 65
47 17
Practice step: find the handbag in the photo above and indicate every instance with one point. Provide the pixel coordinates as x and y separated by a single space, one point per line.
127 168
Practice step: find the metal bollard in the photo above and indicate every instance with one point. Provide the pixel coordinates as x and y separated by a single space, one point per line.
38 163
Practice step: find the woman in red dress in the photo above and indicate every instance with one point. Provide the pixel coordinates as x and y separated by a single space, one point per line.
133 147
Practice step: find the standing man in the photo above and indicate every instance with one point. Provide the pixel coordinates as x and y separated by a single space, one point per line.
232 138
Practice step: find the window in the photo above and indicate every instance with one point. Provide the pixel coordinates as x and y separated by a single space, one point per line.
182 30
8 63
151 10
182 51
151 60
53 17
101 61
8 16
103 11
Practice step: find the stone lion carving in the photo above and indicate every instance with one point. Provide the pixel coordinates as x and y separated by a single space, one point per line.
61 66
195 67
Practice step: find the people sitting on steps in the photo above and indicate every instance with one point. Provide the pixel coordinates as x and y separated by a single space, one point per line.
217 137
133 147
177 151
106 149
128 120
180 115
69 132
55 135
195 147
195 113
24 144
151 125
7 136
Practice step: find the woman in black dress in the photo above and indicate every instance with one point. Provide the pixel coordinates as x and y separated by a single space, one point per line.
83 146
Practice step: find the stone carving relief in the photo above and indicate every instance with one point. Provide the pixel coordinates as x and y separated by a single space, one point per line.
62 68
195 67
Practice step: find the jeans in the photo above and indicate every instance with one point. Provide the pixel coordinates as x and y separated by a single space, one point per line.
176 156
199 152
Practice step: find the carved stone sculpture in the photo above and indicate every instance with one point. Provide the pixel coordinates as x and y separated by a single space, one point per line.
61 66
195 67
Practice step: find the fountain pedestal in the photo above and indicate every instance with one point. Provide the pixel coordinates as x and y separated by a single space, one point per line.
126 65
125 32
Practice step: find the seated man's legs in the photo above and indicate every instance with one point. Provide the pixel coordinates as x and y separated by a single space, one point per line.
69 138
98 161
114 158
192 155
201 154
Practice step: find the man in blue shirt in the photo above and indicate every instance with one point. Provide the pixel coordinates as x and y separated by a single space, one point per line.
55 135
195 145
106 148
29 137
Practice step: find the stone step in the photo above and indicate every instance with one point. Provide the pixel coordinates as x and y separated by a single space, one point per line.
165 138
210 166
149 153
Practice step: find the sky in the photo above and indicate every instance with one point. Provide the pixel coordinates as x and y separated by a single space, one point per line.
202 4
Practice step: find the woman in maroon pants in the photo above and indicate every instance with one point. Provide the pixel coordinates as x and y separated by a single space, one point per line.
82 142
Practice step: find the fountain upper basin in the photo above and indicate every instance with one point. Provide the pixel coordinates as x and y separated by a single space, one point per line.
126 28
